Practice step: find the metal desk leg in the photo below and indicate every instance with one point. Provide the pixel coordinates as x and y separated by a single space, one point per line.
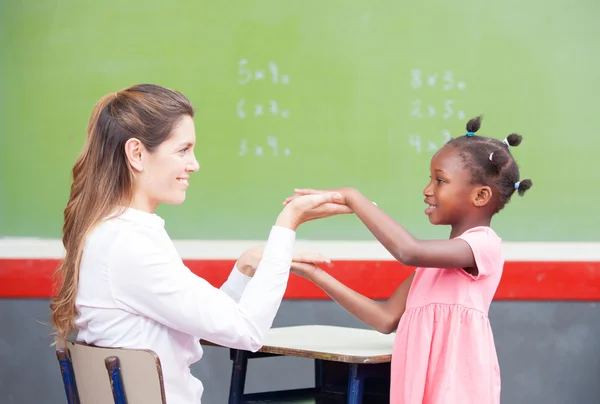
238 376
318 373
356 385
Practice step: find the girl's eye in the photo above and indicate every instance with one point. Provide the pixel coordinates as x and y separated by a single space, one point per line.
439 180
184 149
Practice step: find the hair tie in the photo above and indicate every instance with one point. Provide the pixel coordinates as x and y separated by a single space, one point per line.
505 141
470 133
491 154
517 184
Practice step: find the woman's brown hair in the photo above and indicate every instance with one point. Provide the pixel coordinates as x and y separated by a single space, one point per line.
103 178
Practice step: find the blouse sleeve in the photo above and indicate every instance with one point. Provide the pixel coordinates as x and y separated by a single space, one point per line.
235 284
146 280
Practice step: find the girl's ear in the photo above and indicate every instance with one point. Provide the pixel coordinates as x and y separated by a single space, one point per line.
133 152
482 196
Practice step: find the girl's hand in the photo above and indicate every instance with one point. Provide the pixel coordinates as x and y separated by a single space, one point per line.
305 270
308 191
346 194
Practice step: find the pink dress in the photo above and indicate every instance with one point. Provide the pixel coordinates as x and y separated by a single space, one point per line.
444 349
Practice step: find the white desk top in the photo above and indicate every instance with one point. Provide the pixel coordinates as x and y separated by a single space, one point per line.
342 344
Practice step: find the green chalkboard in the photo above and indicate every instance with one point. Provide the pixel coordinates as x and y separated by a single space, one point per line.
309 94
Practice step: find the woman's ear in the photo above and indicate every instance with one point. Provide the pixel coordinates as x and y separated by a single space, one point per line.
133 152
482 196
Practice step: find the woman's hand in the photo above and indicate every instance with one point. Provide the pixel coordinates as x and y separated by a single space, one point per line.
249 260
304 208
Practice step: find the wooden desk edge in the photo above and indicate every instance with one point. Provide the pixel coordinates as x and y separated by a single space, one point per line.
301 353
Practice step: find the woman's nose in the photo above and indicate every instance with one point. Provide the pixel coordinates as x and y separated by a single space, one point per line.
193 166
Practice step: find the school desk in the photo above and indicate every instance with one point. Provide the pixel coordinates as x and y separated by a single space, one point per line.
350 364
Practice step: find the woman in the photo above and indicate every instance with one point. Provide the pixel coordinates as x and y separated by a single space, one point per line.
122 283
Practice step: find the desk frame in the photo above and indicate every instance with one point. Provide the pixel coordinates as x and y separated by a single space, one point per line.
360 368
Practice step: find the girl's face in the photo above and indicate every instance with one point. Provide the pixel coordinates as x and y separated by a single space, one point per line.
450 193
164 174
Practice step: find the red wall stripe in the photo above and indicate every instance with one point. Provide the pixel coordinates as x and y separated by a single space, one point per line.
578 281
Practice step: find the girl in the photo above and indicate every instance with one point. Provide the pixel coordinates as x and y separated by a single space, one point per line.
444 348
122 283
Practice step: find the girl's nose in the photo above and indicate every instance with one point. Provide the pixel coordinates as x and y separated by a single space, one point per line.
428 191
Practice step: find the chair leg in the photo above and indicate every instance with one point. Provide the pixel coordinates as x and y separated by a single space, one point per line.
356 385
68 375
113 366
238 376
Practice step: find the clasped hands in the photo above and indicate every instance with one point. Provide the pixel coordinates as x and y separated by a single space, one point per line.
303 206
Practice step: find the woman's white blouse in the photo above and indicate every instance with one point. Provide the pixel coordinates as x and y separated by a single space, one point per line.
135 292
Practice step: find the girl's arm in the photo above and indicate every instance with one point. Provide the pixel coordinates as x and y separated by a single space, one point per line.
410 251
381 316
